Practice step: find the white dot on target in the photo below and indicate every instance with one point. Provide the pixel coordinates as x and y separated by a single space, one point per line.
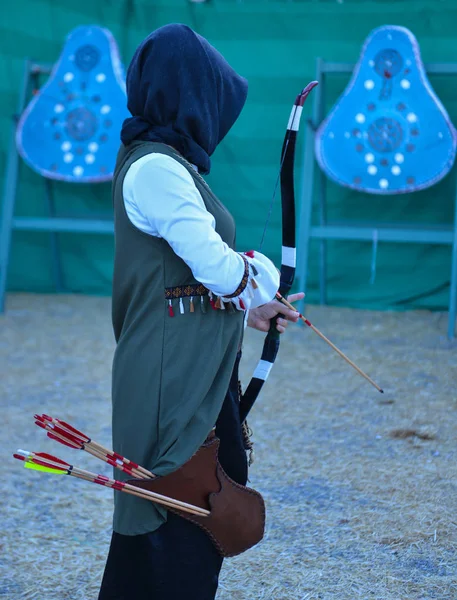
383 184
405 84
371 63
105 109
68 77
411 118
100 77
66 146
78 171
360 118
68 157
399 158
58 108
89 158
369 158
93 147
396 170
372 170
369 84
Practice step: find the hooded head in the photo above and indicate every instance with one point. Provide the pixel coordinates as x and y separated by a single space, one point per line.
182 92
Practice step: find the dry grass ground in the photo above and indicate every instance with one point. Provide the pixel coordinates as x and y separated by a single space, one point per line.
360 487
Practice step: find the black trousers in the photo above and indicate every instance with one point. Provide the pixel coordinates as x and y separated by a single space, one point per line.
177 561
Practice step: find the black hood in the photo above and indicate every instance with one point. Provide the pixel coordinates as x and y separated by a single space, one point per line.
182 92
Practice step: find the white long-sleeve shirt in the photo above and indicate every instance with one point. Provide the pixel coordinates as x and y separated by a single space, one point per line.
161 199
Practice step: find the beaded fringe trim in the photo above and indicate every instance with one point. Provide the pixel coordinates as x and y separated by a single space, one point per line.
198 290
187 298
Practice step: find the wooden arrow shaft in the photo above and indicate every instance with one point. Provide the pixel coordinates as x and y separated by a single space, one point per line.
331 344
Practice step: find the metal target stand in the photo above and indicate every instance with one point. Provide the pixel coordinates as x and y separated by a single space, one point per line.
53 224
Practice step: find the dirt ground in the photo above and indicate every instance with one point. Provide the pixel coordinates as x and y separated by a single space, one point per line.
361 488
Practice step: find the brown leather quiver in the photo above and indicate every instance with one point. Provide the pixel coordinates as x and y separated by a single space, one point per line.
237 513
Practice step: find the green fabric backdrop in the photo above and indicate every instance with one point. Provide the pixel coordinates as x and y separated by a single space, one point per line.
273 44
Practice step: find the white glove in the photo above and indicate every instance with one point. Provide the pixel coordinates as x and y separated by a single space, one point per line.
259 284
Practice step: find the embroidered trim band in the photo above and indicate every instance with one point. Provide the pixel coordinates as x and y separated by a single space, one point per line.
240 289
186 291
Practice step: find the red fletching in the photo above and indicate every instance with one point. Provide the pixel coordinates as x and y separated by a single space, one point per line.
250 253
69 444
73 430
242 304
51 457
118 485
19 456
62 428
45 463
50 428
66 435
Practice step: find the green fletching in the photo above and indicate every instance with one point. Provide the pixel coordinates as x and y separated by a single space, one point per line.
29 465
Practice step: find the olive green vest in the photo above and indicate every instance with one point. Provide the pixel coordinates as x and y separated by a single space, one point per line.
175 352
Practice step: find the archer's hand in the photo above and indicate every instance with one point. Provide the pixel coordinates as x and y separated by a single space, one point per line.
259 318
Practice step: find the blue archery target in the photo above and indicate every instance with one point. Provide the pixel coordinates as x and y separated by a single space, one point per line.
388 133
70 130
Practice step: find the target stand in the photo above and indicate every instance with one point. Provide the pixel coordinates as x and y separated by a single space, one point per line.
387 134
69 131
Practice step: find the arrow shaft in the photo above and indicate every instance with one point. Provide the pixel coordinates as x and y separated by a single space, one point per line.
331 344
117 485
61 433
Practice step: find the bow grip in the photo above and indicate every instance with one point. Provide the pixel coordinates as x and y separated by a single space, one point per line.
273 332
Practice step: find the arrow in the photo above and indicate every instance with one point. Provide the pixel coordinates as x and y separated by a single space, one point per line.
331 344
69 436
50 464
87 440
59 435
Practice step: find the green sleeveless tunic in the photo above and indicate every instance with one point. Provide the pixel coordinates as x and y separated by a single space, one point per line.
170 373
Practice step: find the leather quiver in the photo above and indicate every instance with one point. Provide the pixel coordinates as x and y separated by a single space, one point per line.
237 513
